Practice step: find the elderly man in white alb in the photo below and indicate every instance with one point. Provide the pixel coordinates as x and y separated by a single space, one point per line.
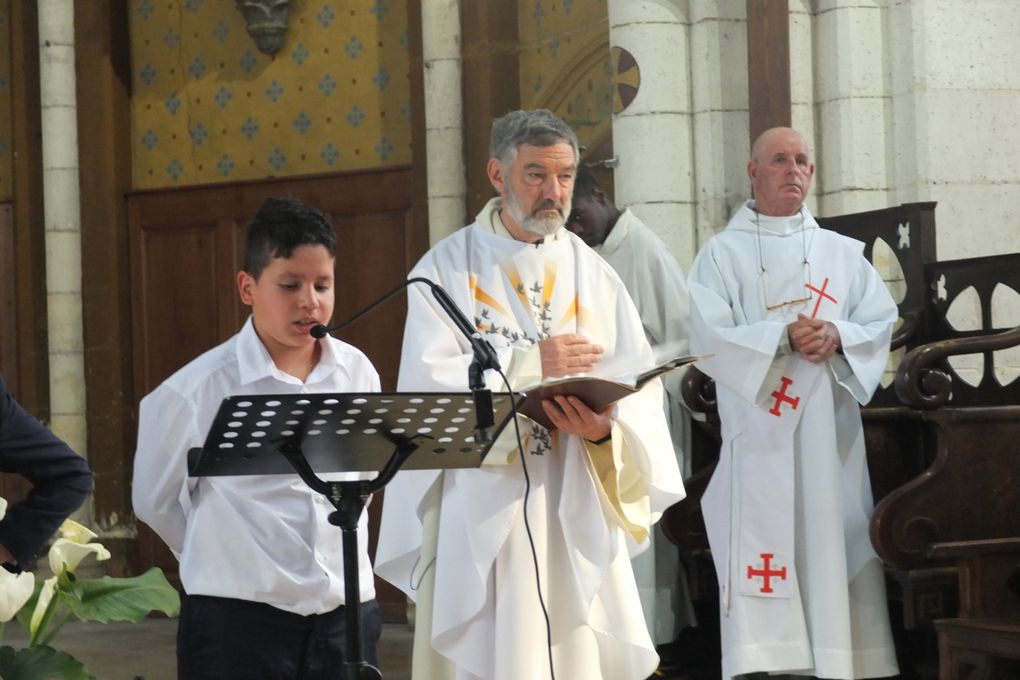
457 541
799 323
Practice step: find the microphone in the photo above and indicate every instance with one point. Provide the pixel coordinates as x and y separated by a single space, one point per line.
485 356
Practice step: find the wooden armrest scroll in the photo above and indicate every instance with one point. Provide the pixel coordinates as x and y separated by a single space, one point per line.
921 380
906 332
698 392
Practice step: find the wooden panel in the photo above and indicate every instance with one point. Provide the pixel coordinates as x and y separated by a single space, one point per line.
185 252
969 493
768 64
362 236
102 52
30 255
419 242
491 63
8 337
177 307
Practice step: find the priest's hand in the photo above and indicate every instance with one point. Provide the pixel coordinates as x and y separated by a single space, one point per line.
814 339
572 416
567 354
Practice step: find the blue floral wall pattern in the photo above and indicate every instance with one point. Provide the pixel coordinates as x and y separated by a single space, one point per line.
209 107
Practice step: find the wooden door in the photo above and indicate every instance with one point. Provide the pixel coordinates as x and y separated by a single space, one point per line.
8 348
186 250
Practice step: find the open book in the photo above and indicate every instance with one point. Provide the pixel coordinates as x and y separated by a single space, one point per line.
597 393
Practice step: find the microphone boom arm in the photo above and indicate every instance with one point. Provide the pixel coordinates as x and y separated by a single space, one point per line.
483 351
485 356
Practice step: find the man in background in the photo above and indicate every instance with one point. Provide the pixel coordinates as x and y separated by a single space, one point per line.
656 284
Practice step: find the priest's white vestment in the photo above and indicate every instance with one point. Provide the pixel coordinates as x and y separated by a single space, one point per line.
455 541
658 287
787 509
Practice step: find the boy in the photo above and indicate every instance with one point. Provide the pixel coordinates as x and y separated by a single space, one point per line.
261 566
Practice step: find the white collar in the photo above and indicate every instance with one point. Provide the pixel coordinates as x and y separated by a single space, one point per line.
254 362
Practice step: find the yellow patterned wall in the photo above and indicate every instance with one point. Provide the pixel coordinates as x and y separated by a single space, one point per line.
564 64
208 107
6 152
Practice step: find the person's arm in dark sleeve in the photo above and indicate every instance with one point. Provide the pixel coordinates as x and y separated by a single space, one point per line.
60 480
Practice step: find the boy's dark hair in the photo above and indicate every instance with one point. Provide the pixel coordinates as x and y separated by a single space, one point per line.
585 183
281 225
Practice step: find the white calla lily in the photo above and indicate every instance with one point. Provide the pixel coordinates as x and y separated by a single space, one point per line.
15 590
3 507
73 546
73 531
43 603
66 554
130 600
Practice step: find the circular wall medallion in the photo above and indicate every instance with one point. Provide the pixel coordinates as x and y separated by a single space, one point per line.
626 78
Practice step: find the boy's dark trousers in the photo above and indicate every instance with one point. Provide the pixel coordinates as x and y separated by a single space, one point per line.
221 638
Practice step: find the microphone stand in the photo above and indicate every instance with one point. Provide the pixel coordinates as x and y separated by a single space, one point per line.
350 505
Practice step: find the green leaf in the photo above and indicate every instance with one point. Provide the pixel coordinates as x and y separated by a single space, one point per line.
122 599
40 663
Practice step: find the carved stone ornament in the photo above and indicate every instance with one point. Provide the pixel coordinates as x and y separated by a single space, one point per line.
267 22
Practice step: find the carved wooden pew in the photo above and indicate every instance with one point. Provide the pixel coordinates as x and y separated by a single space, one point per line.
962 513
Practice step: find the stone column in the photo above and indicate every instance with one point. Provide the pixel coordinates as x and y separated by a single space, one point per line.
719 100
652 136
852 106
444 116
802 86
954 138
62 221
652 141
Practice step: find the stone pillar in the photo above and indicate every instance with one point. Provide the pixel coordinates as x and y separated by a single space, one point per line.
955 83
444 116
62 221
953 138
852 103
802 85
652 136
719 99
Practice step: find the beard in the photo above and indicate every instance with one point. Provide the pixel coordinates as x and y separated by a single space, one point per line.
537 222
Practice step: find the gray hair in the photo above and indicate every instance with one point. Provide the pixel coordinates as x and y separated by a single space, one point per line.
539 127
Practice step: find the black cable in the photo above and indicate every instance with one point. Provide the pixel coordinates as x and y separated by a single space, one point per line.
486 358
527 525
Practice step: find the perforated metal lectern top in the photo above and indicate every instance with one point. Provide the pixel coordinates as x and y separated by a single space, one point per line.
344 432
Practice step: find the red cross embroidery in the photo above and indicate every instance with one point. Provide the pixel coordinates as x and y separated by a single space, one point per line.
766 573
821 294
781 396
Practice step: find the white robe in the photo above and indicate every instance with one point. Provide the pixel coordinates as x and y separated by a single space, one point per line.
658 287
472 573
805 488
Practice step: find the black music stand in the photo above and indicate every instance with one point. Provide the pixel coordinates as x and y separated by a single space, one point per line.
364 432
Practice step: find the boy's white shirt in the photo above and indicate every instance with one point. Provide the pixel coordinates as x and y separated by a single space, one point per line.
259 538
